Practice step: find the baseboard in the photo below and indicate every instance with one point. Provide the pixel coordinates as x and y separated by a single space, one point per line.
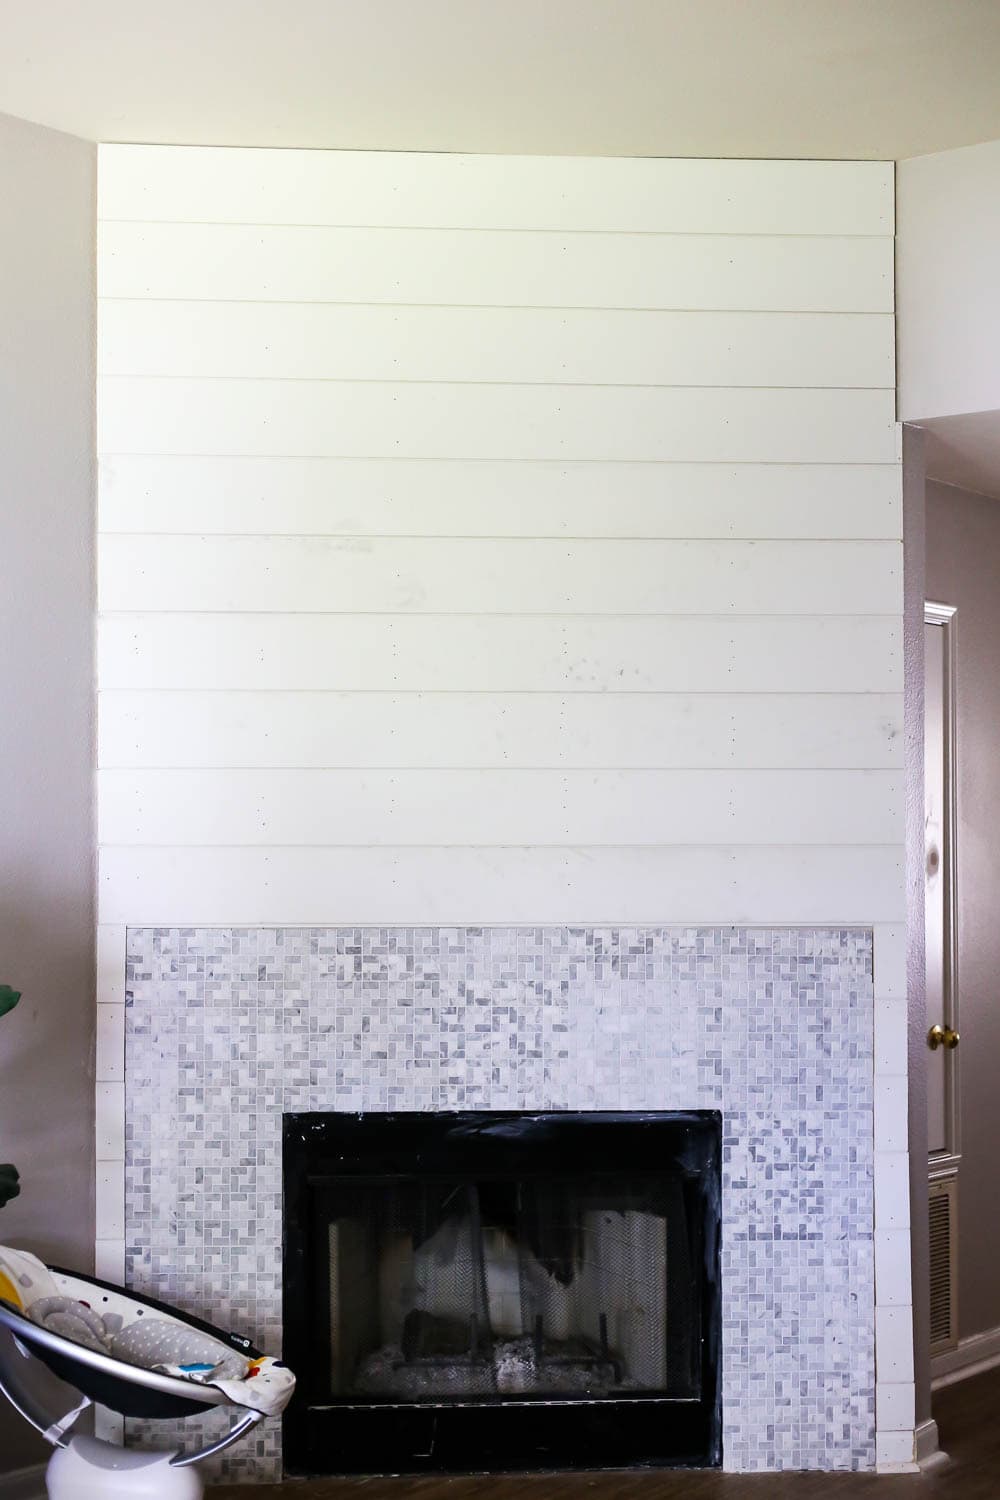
973 1356
24 1484
927 1445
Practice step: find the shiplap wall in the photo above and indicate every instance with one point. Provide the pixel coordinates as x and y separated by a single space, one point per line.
497 540
503 540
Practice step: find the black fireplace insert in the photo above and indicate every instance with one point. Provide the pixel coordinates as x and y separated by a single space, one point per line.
501 1291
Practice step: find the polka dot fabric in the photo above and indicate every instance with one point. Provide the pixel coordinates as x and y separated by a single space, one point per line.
112 1323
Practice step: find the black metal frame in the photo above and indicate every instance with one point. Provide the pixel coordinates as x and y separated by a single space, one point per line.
324 1436
123 1387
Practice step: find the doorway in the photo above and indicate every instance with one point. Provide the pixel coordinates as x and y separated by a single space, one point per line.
943 1037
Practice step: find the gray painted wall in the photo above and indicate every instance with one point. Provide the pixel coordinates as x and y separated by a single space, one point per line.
47 259
963 569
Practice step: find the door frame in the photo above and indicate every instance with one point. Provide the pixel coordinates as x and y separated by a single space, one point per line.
945 1163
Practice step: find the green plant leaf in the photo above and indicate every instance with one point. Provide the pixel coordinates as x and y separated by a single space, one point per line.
9 1183
8 998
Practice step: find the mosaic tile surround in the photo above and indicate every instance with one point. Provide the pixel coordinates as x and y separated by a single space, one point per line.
227 1029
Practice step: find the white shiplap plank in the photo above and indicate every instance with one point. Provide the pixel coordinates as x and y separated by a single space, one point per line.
254 887
422 433
373 497
498 808
296 341
262 263
474 576
600 730
495 421
501 653
213 184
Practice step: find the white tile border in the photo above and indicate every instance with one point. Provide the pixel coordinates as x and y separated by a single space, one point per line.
893 1284
109 1426
109 1101
110 1201
110 1042
891 1111
110 964
895 1405
892 1190
894 1344
109 1092
894 1453
894 1389
891 1021
109 1261
889 958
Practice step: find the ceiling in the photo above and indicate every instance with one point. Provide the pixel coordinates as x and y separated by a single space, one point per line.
785 78
965 451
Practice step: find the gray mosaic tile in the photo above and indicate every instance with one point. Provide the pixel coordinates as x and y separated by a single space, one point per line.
228 1029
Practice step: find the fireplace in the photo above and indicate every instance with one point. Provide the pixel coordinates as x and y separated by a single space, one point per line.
501 1290
772 1027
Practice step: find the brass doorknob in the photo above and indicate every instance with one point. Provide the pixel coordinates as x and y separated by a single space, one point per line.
942 1036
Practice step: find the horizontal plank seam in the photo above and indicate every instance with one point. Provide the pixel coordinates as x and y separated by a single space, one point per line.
112 149
567 463
480 536
616 769
600 385
588 385
735 768
566 692
494 536
428 614
834 924
446 458
394 228
679 693
513 614
455 536
819 312
528 848
545 307
780 926
708 847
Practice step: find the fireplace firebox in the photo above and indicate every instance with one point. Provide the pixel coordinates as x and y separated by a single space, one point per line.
500 1291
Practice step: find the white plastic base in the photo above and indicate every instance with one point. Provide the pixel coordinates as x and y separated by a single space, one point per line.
91 1470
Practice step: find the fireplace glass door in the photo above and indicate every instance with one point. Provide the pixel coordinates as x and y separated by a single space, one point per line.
525 1286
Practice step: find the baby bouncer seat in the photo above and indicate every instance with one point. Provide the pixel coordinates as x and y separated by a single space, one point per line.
133 1355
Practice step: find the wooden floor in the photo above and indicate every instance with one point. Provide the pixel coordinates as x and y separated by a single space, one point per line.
967 1416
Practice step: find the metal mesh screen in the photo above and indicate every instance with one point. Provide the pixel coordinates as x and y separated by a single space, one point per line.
543 1287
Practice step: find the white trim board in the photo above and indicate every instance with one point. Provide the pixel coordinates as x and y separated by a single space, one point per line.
659 195
974 1355
927 1446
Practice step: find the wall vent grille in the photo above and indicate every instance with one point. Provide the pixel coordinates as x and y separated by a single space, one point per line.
944 1302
